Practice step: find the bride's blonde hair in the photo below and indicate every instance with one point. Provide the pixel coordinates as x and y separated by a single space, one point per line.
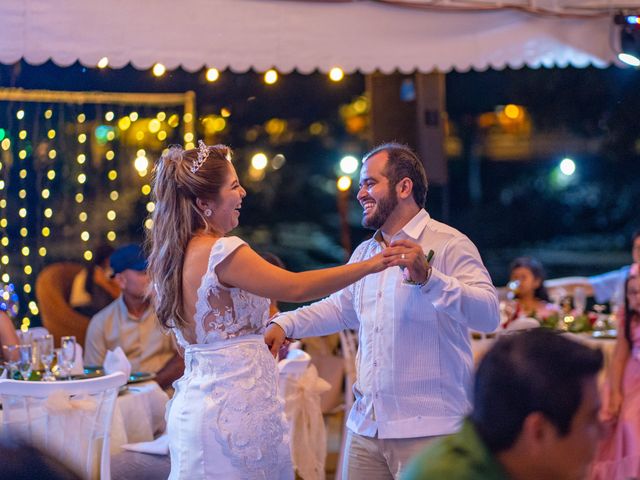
180 177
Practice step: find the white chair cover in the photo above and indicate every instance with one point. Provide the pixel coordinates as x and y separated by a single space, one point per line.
301 387
70 420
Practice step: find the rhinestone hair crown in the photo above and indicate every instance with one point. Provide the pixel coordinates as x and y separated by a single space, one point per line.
203 153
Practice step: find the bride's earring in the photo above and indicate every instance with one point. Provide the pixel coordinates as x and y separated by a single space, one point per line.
208 212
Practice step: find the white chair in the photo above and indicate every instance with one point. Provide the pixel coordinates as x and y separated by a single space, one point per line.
349 346
70 420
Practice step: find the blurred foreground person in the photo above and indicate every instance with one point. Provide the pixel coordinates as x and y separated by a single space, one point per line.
535 415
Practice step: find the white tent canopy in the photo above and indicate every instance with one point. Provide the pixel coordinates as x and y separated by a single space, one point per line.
302 36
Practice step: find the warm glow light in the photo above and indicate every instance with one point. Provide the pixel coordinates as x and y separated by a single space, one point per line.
22 212
270 77
42 251
6 144
82 138
88 255
48 114
512 111
45 193
4 241
81 118
24 232
225 112
25 251
336 74
154 125
124 123
3 223
141 164
212 74
4 260
52 154
22 135
151 207
146 189
349 164
103 62
159 69
6 278
20 114
109 116
111 215
27 269
112 175
110 155
46 232
82 178
113 195
344 183
22 154
161 116
259 161
85 236
188 137
111 236
133 116
27 289
51 134
22 193
23 173
51 174
82 158
48 212
82 216
79 198
148 223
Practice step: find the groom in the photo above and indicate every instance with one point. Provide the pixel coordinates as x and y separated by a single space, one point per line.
414 364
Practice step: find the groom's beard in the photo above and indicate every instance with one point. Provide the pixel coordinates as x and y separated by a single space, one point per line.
383 209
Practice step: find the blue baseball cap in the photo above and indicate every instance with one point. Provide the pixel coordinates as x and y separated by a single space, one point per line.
129 257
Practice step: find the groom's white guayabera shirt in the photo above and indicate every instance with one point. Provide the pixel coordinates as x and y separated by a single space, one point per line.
414 363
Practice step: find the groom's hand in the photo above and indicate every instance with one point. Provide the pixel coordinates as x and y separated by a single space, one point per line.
274 337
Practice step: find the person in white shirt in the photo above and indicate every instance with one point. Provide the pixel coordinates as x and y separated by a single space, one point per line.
606 287
414 364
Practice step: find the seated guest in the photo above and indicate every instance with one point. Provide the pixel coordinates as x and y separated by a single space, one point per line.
92 289
606 287
531 299
129 322
8 334
535 414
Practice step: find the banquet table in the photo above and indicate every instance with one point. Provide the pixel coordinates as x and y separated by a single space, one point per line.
480 346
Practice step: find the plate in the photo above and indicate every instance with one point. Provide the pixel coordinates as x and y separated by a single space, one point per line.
605 334
138 377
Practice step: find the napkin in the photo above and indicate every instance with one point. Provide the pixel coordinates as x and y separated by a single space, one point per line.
116 361
159 446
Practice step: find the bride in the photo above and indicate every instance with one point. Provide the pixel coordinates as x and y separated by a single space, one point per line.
225 419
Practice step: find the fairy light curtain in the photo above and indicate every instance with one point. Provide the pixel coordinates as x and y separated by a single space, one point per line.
75 172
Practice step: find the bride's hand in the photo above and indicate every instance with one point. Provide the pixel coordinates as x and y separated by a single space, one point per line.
379 262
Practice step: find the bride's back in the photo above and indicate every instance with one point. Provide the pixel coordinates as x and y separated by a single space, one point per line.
215 311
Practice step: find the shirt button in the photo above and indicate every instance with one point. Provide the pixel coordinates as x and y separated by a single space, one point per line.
376 329
375 364
379 294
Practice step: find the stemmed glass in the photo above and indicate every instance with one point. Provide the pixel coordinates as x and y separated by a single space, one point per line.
25 361
11 356
45 348
68 346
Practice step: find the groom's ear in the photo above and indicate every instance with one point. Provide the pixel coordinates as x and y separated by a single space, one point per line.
404 188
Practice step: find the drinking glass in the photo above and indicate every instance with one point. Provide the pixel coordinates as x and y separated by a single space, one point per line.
68 346
11 356
25 360
579 300
45 348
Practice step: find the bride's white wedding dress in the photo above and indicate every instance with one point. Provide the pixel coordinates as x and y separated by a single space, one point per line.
225 419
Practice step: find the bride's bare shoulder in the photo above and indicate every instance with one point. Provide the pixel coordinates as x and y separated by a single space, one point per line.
199 248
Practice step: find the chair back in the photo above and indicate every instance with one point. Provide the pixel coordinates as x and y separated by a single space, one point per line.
70 420
53 288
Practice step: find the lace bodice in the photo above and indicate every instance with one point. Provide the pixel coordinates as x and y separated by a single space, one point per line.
222 312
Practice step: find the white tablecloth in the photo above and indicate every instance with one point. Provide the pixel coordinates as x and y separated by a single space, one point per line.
139 415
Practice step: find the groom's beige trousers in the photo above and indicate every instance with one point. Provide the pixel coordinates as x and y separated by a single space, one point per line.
367 458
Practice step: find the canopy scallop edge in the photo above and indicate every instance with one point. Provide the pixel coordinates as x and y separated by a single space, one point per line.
303 36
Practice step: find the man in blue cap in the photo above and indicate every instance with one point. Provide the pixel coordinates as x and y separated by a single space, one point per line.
130 322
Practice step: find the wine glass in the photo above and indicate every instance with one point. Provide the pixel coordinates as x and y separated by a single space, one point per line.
25 361
45 348
68 346
11 356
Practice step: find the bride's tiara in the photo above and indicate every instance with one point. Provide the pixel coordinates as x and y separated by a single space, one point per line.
203 153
